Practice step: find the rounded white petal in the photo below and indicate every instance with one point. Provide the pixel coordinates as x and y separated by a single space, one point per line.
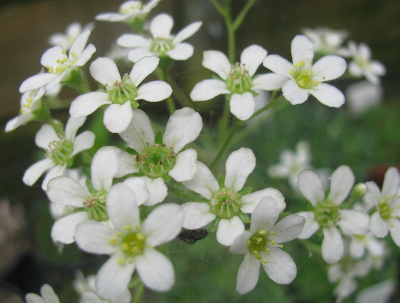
105 71
52 55
126 164
242 105
294 94
163 224
280 267
311 187
63 229
378 227
342 181
18 121
154 91
269 81
34 298
278 65
111 17
103 168
252 57
328 95
86 104
132 41
250 201
196 215
183 127
217 62
90 297
36 81
395 231
187 32
79 44
185 166
239 245
36 170
228 230
264 215
332 245
391 182
157 190
248 273
142 68
139 188
155 270
56 171
378 293
288 228
354 222
356 249
302 49
66 191
310 227
329 68
83 141
85 55
138 53
72 127
45 135
161 25
203 182
48 294
373 193
182 51
239 165
117 117
208 89
94 237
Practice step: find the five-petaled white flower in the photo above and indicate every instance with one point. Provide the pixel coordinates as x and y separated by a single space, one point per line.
60 150
120 94
60 65
72 32
227 203
302 77
362 65
262 246
129 11
387 203
327 41
326 212
157 160
235 80
163 43
130 243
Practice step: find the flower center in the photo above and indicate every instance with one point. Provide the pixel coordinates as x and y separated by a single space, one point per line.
96 206
156 161
120 92
226 203
26 106
385 209
132 8
59 151
327 213
62 64
239 80
258 243
132 243
303 76
161 45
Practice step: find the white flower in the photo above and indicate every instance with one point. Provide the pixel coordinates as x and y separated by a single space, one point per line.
326 211
160 160
377 293
47 296
30 101
129 11
130 244
327 41
362 65
72 32
302 78
292 163
60 65
359 244
238 80
226 203
387 203
262 246
119 94
60 150
363 95
163 43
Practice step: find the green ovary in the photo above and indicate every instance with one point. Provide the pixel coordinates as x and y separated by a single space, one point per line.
122 91
327 213
225 203
385 211
132 243
60 151
96 206
239 80
161 45
156 161
303 77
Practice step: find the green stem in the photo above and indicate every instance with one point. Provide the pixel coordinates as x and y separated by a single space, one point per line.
268 106
224 121
218 7
311 246
239 19
162 75
139 293
174 189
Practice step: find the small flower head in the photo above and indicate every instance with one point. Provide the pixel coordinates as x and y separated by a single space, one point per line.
72 32
326 41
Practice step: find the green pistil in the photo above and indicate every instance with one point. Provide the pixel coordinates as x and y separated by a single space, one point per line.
239 80
161 45
225 203
132 243
156 161
303 76
120 92
59 151
385 211
327 213
96 206
258 243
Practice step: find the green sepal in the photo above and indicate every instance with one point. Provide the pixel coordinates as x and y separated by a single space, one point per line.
214 224
245 191
244 217
58 126
42 113
89 185
221 180
159 138
166 178
134 104
320 233
203 200
75 81
254 93
131 151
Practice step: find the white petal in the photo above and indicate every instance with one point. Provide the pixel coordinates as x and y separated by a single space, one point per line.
239 165
269 82
94 237
161 25
117 117
278 65
45 135
242 105
132 41
154 91
86 104
342 181
185 166
373 193
187 32
18 121
138 53
90 297
378 227
155 270
354 222
111 17
395 231
208 89
332 245
329 68
48 294
378 293
56 171
294 94
163 224
36 81
302 49
252 57
157 190
122 207
66 191
183 127
228 230
105 71
182 51
85 55
280 267
113 278
248 273
264 215
36 170
239 245
250 201
288 228
34 298
104 167
217 62
196 215
52 55
63 229
143 68
72 127
83 141
203 182
311 187
79 44
139 187
328 95
391 183
356 249
310 227
126 164
139 131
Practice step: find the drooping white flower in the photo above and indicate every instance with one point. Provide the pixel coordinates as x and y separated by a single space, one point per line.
47 296
60 65
72 32
163 43
60 150
302 77
362 65
227 204
130 243
326 212
120 94
327 41
129 11
262 246
363 95
237 80
387 203
159 160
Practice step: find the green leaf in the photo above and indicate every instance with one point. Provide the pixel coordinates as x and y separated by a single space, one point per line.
131 151
214 224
